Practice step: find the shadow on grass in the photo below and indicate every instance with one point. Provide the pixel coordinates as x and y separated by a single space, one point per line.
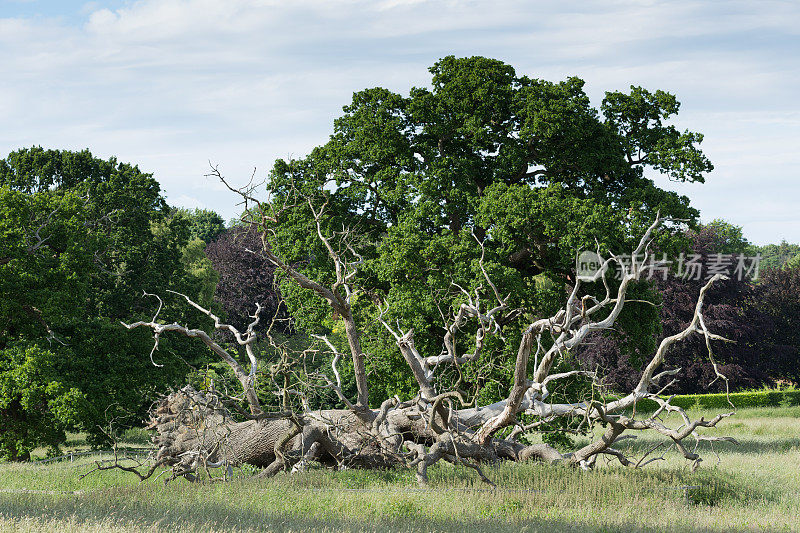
755 446
745 446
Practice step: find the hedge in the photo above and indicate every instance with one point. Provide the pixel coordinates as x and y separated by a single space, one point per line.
764 398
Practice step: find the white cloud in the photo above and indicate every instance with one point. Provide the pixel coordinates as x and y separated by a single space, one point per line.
188 201
170 84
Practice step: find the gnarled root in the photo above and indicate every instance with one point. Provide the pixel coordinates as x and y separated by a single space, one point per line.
195 431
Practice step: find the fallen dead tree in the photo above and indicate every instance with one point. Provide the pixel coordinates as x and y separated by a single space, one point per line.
197 430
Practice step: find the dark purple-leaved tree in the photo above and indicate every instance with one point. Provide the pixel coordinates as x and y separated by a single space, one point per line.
778 296
760 318
245 277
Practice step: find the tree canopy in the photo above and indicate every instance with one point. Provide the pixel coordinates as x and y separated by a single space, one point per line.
82 239
245 278
526 166
204 224
778 255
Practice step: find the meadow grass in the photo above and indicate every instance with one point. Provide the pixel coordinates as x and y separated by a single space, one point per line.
754 486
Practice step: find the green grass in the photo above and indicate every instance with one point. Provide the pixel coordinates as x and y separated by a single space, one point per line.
753 487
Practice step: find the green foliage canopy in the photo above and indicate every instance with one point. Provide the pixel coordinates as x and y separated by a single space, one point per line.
204 224
526 166
82 238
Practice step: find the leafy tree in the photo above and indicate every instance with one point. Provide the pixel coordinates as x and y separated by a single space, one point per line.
44 246
245 277
35 405
422 211
720 237
526 166
777 295
82 239
197 264
777 255
204 224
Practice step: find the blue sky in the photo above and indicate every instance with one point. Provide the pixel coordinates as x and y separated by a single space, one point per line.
173 84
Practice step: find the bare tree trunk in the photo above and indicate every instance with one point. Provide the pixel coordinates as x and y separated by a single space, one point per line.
360 369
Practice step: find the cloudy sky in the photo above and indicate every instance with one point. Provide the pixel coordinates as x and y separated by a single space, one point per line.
173 84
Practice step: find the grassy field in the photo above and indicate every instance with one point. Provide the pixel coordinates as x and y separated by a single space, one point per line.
754 486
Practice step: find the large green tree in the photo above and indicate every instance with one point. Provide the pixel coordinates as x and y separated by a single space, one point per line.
527 166
82 239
